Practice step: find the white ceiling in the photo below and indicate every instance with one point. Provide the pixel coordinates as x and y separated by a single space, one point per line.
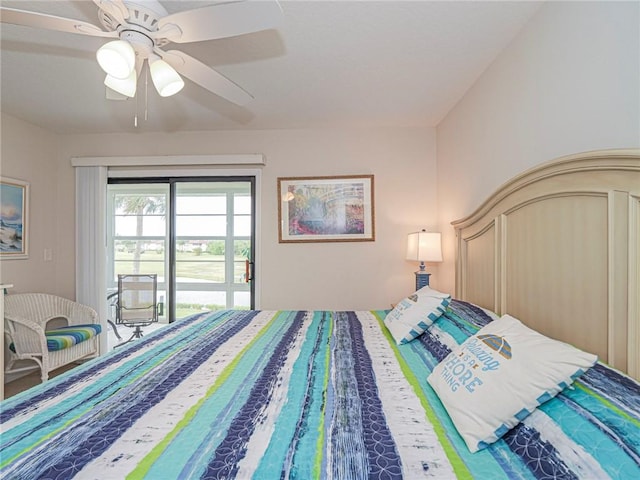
331 64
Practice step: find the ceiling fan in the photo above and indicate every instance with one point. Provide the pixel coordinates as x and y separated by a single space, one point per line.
140 28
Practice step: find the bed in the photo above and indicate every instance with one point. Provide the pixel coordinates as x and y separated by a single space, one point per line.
328 394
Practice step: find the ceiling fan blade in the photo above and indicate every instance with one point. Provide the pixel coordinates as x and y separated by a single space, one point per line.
206 77
115 8
51 22
223 20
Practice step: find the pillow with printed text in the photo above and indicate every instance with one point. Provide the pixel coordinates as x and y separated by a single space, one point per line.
414 314
497 377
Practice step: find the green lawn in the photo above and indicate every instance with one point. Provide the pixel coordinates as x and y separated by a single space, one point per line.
188 265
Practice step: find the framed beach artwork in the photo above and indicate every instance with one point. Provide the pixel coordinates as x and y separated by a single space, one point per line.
326 209
14 237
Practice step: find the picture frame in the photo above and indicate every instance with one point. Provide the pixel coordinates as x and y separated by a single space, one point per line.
326 209
14 224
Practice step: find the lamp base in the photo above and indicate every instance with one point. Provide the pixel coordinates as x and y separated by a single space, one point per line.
422 279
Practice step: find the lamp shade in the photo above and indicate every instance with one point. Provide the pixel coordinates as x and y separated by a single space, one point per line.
424 247
117 58
165 78
125 86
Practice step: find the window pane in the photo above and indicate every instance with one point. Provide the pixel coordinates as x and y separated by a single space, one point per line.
239 272
139 226
201 226
139 256
127 249
242 249
241 226
139 215
127 267
217 248
197 249
190 302
242 204
201 204
199 271
241 300
130 203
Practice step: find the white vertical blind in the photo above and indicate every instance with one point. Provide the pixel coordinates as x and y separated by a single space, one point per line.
91 197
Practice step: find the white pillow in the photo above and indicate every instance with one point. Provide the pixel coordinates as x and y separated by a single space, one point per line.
500 375
414 314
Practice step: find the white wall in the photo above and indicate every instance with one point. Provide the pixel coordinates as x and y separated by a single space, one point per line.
28 153
351 275
568 83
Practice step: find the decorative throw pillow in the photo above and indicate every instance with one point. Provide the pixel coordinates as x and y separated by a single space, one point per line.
500 375
414 314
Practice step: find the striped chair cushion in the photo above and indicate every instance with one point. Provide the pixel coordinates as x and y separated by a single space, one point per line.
66 337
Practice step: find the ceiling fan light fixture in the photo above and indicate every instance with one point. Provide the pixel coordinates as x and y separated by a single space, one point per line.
117 59
164 77
126 86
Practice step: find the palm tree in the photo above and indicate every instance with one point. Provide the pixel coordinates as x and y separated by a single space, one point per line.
140 205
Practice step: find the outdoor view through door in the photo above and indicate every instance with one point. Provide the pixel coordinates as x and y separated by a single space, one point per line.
195 235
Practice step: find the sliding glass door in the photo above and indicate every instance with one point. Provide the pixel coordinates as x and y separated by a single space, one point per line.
197 235
213 225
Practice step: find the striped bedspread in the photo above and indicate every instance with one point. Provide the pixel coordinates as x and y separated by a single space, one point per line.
304 395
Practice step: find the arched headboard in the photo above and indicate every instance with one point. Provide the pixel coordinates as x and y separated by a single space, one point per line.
559 248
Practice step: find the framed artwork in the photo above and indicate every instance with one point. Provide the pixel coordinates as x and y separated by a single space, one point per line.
326 209
14 232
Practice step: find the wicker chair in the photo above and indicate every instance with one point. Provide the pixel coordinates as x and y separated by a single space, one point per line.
26 316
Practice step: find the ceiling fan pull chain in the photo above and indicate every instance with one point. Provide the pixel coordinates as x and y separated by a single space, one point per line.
135 116
146 91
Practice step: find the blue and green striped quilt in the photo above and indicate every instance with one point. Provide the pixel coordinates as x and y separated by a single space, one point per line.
299 395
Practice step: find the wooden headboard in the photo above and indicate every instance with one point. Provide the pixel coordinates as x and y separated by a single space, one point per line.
559 248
